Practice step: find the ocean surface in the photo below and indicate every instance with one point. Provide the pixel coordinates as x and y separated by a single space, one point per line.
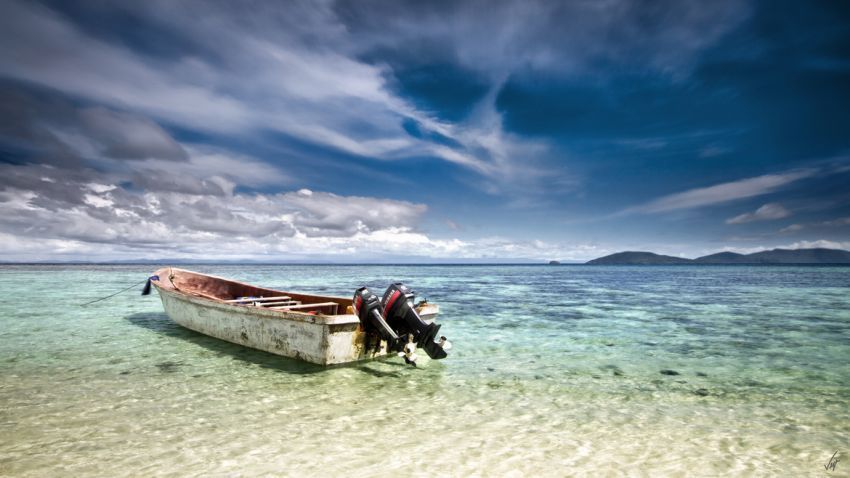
555 371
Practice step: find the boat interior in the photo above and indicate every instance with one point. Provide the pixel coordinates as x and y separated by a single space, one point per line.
241 294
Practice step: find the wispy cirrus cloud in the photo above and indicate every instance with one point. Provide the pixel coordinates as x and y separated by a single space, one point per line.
416 111
767 212
840 222
320 72
791 228
313 89
495 38
722 193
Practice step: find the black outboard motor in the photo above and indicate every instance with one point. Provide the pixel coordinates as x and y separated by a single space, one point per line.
371 314
402 317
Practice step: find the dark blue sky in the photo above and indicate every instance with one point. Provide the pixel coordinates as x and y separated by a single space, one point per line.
422 130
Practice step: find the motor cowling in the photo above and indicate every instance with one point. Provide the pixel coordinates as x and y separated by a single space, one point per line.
401 316
371 314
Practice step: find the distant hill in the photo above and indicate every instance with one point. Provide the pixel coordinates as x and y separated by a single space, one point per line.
723 258
783 256
776 256
638 258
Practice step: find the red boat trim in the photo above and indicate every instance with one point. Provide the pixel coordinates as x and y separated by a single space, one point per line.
390 302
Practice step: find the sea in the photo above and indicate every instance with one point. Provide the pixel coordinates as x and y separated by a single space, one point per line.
567 370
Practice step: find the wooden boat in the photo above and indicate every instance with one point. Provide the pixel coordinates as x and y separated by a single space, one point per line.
318 329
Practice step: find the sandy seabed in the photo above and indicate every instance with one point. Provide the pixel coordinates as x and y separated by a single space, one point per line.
682 371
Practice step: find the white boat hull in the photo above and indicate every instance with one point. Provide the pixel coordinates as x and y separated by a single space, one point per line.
319 339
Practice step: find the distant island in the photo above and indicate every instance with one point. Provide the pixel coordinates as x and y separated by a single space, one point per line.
639 258
775 256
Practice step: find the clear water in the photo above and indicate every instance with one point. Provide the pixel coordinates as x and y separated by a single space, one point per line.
554 371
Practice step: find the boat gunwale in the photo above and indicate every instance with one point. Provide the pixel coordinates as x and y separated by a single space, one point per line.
203 301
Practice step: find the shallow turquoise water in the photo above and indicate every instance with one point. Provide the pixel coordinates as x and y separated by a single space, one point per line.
554 370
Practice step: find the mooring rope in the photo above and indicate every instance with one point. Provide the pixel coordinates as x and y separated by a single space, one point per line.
113 295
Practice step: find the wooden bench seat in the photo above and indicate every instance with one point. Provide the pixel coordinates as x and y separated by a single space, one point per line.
309 306
284 302
258 299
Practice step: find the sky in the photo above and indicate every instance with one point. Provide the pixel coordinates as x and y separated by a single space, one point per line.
393 131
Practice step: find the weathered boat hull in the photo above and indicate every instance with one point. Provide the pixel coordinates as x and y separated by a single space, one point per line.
319 339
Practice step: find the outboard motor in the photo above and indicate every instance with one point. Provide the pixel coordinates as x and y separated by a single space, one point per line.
402 317
371 314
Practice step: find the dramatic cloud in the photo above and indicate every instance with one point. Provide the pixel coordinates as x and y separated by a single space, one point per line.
54 201
57 217
44 203
46 128
723 193
124 136
262 80
322 72
191 209
328 128
768 212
